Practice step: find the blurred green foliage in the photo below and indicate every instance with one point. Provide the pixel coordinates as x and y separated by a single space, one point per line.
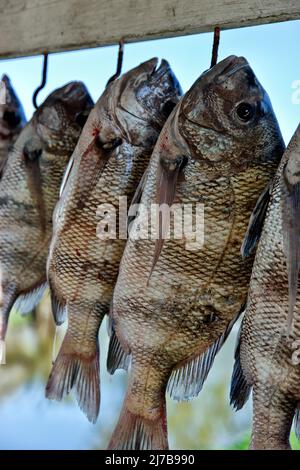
243 444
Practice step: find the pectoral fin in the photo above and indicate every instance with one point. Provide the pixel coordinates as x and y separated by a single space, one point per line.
256 223
167 178
291 237
32 152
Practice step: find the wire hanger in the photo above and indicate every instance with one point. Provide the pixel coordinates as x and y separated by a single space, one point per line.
119 63
44 79
214 55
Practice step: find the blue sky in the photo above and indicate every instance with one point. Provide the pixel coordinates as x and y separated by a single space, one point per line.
271 50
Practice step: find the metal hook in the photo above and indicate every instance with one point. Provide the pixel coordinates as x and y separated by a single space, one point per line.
119 64
214 56
44 79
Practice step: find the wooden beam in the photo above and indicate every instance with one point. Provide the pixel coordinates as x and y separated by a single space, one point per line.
29 27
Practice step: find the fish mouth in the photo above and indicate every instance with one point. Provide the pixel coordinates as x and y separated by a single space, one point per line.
224 69
161 70
74 91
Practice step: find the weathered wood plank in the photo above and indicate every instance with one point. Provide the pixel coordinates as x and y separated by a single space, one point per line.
30 27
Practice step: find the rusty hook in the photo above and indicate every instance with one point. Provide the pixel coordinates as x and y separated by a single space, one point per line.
214 56
44 79
119 64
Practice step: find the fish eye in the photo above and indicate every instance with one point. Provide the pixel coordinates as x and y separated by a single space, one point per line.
81 118
11 118
168 107
245 111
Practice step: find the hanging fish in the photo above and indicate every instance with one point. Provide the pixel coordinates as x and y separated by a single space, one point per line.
109 161
12 119
28 193
175 300
268 350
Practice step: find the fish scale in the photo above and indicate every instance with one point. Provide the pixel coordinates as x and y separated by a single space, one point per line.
265 350
175 321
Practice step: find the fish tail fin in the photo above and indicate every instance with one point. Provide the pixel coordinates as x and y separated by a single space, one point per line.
134 432
77 371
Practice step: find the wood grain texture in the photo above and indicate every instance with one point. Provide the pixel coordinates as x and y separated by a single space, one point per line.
29 27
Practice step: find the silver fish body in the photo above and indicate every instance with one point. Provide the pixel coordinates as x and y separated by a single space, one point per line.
108 163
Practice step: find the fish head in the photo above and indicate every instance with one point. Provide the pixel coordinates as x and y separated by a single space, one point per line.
146 95
12 116
227 117
60 119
